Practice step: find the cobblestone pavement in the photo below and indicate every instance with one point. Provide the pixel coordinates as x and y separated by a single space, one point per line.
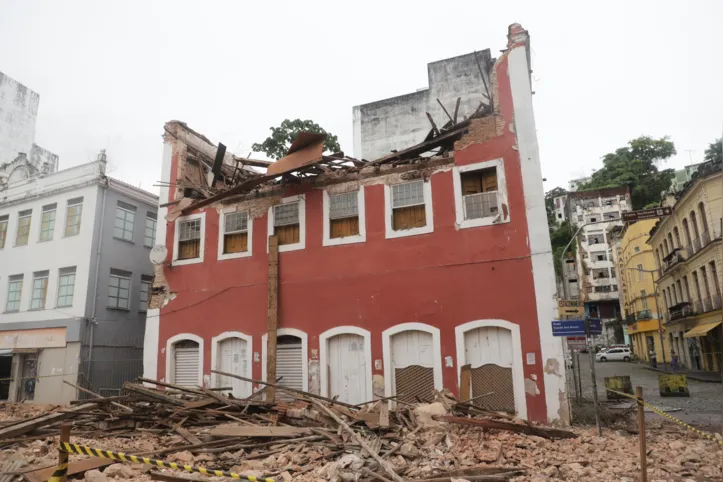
702 408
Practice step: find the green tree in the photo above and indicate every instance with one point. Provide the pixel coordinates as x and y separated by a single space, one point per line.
277 144
559 237
714 152
635 166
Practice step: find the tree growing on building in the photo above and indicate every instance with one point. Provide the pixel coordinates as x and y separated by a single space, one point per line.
277 144
636 166
714 153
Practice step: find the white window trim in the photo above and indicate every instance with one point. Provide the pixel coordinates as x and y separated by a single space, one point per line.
190 217
302 224
216 342
359 238
170 355
501 194
518 374
387 352
249 235
429 212
324 356
304 352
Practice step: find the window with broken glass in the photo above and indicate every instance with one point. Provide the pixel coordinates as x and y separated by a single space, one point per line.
479 193
235 232
189 239
343 215
286 223
408 209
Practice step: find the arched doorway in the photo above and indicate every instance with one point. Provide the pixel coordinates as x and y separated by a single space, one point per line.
231 353
493 350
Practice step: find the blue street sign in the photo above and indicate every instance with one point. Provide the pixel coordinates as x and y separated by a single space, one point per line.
575 327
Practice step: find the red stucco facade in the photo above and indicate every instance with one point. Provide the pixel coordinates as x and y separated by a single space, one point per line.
445 278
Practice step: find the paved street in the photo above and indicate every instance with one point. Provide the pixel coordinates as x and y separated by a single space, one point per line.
702 408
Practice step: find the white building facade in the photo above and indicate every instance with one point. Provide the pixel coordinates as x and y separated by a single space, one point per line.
53 257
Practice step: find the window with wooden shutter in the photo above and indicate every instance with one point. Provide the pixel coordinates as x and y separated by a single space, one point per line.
189 239
286 223
235 233
408 209
343 215
479 193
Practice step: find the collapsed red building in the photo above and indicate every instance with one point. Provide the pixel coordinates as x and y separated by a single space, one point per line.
391 273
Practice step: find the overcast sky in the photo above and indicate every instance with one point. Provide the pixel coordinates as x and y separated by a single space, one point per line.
110 74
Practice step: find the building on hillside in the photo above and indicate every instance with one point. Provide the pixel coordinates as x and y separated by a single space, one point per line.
74 282
687 247
637 276
20 157
596 211
392 273
683 176
575 184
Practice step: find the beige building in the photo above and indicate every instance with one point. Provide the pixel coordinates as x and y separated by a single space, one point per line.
687 247
637 273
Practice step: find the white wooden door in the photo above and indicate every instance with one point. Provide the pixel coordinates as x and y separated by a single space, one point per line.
487 345
347 368
412 349
185 366
289 365
232 359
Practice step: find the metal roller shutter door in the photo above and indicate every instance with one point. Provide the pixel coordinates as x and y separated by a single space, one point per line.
289 365
186 367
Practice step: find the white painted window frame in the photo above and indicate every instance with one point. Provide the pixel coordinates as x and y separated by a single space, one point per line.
221 233
216 342
518 372
387 352
302 224
457 172
428 208
304 352
324 356
176 234
359 238
170 355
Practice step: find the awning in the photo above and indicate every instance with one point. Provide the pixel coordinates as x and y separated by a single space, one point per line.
701 330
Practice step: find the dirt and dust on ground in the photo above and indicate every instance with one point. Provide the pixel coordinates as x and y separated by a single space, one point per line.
305 439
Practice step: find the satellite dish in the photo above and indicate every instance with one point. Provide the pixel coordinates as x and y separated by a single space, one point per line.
158 254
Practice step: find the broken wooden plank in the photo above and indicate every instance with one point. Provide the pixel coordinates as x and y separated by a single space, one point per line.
257 431
74 467
544 432
387 468
384 415
127 409
287 389
30 425
169 385
465 382
188 435
152 394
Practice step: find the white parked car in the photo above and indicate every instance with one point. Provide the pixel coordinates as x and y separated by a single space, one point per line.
614 354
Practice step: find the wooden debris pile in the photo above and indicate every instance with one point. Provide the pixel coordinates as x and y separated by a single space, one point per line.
309 437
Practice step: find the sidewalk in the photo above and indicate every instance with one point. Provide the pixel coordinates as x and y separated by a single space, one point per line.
701 376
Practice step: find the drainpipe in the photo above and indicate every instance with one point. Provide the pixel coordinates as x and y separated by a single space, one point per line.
104 186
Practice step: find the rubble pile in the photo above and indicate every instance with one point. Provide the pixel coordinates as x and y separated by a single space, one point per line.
307 437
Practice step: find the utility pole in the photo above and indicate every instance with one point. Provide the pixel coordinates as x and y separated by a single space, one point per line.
592 375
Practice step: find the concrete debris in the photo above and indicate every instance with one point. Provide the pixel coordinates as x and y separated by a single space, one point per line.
426 441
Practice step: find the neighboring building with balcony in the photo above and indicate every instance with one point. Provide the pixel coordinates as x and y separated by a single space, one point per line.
74 282
636 273
687 247
599 210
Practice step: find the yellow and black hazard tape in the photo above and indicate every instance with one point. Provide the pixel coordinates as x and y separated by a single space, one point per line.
59 473
669 417
122 457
